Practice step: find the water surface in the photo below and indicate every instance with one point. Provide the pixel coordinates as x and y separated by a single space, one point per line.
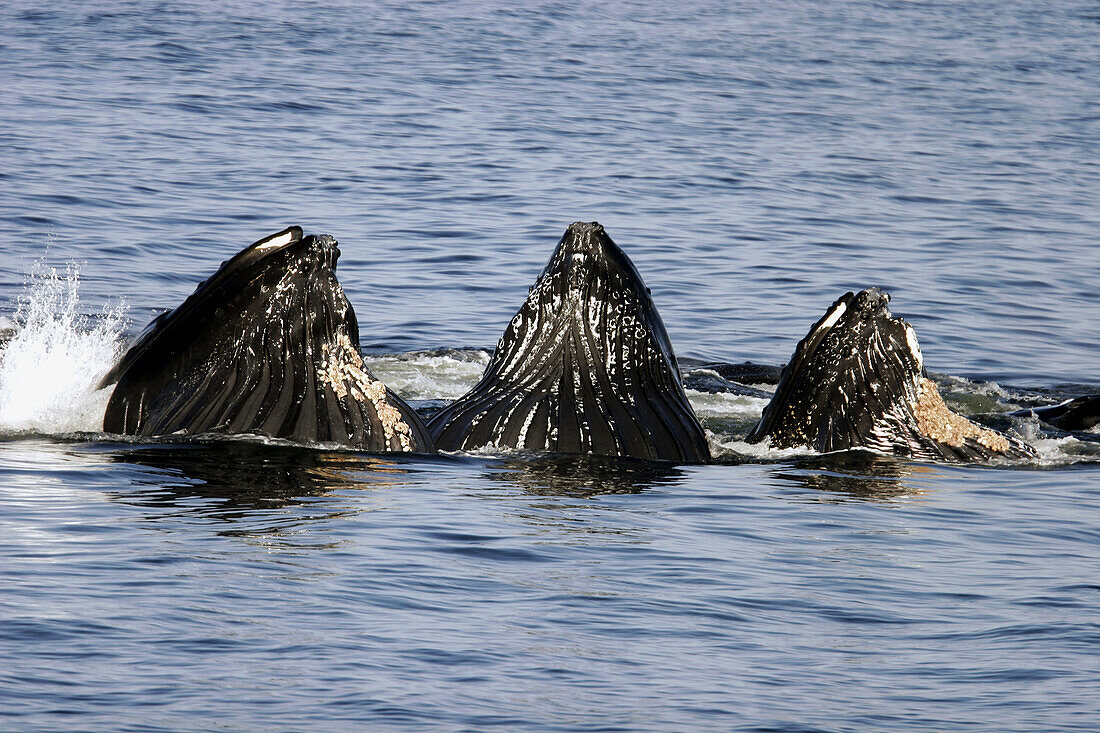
755 162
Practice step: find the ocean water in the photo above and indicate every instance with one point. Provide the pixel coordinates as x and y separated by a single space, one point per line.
754 161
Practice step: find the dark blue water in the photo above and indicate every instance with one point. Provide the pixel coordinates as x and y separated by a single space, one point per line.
755 162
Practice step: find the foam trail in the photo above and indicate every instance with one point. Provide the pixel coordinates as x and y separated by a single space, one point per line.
49 368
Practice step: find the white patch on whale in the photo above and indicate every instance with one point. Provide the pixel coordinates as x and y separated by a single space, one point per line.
277 240
833 317
914 347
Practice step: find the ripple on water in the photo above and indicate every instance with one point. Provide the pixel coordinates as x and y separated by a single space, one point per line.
754 162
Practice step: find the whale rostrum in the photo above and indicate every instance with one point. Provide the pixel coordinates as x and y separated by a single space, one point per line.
857 380
268 345
585 366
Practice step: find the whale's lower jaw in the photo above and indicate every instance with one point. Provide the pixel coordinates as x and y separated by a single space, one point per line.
927 429
952 437
269 345
572 403
922 429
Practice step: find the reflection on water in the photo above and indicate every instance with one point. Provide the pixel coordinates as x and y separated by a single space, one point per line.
583 476
229 480
857 475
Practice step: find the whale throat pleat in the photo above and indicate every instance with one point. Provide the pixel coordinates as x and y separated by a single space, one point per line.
268 345
584 367
856 382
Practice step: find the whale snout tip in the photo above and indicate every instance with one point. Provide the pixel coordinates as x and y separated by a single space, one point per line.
310 245
871 300
585 232
322 242
584 227
292 248
587 236
324 249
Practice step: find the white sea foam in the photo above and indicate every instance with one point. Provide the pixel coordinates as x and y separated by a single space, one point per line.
721 446
429 376
726 405
1065 450
966 386
51 365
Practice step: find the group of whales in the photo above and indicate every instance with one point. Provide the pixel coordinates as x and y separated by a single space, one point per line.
269 345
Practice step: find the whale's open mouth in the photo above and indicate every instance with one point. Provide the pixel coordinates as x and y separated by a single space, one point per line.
269 345
856 380
585 366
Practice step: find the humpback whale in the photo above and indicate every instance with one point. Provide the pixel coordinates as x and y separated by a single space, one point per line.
267 345
857 380
585 366
1078 413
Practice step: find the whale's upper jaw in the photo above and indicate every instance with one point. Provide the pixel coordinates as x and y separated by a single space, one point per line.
319 251
288 250
584 366
255 272
854 322
857 381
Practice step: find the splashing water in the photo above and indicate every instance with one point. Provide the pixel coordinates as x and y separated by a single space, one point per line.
50 367
430 376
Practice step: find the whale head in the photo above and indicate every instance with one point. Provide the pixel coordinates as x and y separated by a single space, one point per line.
857 381
584 366
269 345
